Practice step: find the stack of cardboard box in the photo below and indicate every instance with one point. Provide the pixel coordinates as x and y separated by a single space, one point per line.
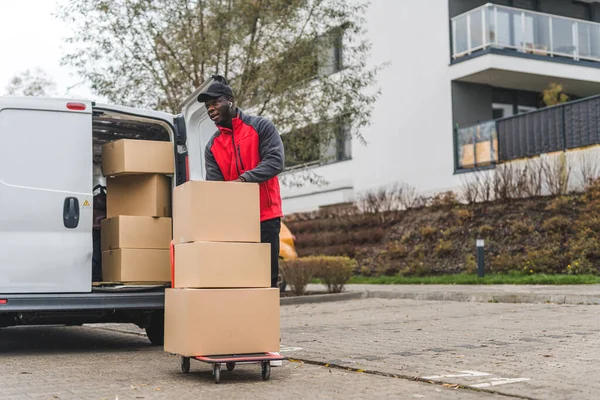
136 234
221 301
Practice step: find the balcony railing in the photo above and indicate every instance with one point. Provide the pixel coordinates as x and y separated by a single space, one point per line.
493 26
567 126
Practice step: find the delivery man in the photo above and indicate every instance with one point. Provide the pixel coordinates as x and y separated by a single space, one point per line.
246 149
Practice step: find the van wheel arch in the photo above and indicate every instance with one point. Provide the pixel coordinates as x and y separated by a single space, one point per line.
155 327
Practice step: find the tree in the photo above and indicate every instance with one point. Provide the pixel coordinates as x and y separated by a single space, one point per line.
295 61
31 83
554 95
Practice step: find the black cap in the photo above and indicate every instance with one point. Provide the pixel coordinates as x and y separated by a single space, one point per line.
216 89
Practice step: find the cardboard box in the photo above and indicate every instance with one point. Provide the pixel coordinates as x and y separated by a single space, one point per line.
136 265
139 195
222 265
131 232
221 321
208 211
131 157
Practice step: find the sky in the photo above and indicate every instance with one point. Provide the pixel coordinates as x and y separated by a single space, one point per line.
31 37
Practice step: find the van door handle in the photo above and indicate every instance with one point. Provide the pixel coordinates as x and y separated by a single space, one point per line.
71 213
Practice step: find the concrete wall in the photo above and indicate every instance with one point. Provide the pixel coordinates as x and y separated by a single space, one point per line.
471 103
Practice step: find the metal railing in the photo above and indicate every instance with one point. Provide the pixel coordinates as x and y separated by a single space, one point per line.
571 125
524 31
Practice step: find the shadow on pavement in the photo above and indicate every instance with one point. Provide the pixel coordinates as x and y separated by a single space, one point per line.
35 340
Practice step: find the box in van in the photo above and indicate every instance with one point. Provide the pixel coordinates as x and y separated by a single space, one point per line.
132 157
138 195
134 232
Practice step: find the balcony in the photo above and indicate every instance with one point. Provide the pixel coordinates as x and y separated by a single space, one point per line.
512 31
564 127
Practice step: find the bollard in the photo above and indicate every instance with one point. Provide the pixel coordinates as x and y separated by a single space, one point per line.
480 262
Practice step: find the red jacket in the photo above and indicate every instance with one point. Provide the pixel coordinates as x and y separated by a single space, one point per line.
253 150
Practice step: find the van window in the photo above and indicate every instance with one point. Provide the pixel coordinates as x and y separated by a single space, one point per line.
47 150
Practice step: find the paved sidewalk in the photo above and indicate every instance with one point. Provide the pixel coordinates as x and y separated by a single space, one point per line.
558 294
80 363
538 351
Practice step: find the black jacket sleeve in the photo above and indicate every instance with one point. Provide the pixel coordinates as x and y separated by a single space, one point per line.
213 172
271 153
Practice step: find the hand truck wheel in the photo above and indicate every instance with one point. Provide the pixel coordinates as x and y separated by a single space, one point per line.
185 365
266 370
217 372
230 366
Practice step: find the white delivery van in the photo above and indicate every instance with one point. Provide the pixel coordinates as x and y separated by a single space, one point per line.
50 161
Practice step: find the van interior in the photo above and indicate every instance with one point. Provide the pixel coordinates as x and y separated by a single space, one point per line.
108 126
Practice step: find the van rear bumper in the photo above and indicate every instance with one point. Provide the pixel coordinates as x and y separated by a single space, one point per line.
112 300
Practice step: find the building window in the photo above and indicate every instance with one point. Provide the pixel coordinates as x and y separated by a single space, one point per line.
476 146
331 58
308 146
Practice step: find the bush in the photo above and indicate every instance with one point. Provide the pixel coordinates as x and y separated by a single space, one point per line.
507 262
397 250
334 271
581 266
365 271
557 224
445 199
409 237
428 231
586 244
590 221
418 251
560 203
547 261
453 230
485 230
415 267
298 273
522 228
592 191
470 263
386 266
443 247
463 215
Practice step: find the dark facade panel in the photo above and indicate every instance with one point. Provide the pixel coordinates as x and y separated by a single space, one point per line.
530 134
471 103
582 123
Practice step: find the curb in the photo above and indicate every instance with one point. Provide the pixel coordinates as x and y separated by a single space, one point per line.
489 297
511 298
322 298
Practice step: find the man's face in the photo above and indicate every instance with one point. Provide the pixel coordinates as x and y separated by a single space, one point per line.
218 110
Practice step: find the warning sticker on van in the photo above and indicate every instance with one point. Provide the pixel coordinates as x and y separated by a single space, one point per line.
86 203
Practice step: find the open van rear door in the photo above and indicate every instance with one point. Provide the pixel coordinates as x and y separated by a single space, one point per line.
199 128
46 197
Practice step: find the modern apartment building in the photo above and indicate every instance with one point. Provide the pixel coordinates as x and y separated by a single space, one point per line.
461 91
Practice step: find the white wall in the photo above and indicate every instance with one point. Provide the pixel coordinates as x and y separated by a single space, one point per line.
410 137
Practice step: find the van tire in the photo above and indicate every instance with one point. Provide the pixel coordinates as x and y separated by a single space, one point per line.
155 328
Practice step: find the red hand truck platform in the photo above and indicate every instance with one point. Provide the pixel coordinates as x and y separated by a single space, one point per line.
230 360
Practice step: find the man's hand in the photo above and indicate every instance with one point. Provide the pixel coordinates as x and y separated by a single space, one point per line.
237 180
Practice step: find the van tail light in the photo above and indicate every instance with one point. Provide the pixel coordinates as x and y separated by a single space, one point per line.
76 106
3 301
187 168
